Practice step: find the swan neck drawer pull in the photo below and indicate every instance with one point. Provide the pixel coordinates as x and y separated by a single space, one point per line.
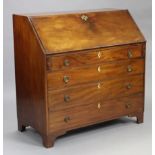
128 105
129 68
66 63
66 79
66 119
129 86
130 54
66 98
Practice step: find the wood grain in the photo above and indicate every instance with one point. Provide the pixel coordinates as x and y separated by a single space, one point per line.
88 57
91 93
68 32
72 72
30 77
89 114
90 73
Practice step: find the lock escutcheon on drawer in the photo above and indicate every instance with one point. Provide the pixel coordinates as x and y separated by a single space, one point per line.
99 54
99 105
84 17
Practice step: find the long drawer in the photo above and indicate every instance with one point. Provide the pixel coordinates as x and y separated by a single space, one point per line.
70 77
95 92
88 114
79 59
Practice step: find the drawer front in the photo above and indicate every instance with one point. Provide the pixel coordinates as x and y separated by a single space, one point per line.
65 61
95 92
62 79
89 114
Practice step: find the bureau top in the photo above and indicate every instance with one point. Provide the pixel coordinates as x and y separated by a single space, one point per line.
59 33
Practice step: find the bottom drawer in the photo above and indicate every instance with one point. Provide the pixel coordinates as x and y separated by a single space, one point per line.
81 116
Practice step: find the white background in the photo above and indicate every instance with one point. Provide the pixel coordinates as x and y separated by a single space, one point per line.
116 137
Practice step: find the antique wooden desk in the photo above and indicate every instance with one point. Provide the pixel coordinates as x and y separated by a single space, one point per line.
77 69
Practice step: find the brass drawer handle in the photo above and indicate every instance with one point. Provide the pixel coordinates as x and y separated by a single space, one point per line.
84 17
66 119
128 105
66 79
129 69
129 86
130 54
99 105
66 63
66 98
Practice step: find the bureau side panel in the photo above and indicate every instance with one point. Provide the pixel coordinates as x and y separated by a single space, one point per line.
144 54
30 76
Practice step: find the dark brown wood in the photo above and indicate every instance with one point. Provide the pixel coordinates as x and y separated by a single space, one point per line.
48 140
68 32
94 92
21 127
140 117
77 69
94 56
89 114
91 74
30 65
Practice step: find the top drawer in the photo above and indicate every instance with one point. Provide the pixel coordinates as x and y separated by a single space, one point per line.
64 61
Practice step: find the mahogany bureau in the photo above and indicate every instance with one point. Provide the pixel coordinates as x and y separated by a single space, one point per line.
77 69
